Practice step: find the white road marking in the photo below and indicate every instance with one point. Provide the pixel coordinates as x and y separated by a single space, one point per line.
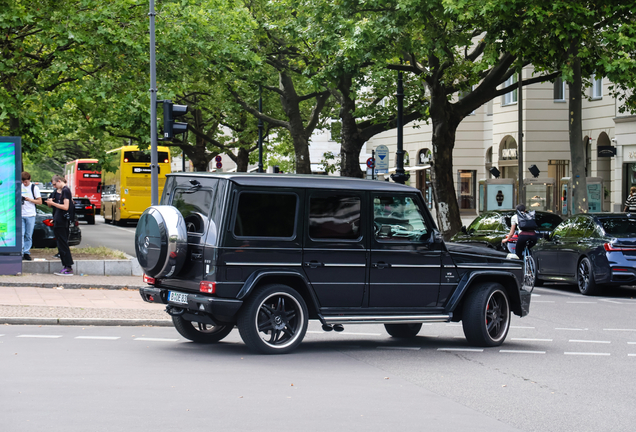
626 330
121 228
521 327
588 341
586 353
1 335
461 349
399 348
531 339
41 336
581 302
631 343
631 355
98 337
521 352
156 339
453 325
611 301
573 329
346 333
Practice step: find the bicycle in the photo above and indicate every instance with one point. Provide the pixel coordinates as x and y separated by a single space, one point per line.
529 265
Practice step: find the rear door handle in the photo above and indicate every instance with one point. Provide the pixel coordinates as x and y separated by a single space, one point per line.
381 265
313 264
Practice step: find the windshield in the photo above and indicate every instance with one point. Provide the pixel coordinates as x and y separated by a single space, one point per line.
87 166
619 227
547 221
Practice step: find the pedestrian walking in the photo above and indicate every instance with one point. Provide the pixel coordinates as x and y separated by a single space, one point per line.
630 203
30 198
62 203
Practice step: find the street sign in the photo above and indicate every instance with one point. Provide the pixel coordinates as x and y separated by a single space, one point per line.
370 162
219 165
382 157
218 159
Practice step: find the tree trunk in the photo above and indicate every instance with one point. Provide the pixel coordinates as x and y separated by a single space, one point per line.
577 147
242 160
351 139
299 134
443 140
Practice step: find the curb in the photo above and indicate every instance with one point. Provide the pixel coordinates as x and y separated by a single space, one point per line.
69 285
107 267
85 321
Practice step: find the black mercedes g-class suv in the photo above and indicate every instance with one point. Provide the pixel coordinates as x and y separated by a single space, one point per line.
268 252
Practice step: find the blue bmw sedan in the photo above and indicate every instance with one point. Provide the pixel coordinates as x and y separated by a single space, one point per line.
591 250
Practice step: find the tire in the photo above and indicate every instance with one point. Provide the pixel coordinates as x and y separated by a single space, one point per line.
273 320
585 278
486 315
199 332
404 331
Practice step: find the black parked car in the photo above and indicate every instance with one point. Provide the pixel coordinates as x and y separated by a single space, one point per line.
84 210
590 250
43 236
268 252
489 228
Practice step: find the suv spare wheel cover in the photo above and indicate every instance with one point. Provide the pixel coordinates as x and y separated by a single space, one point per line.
161 241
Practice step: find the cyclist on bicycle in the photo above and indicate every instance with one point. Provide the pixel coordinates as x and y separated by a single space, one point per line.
527 232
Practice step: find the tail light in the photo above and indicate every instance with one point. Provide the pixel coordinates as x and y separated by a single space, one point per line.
609 247
89 207
207 287
148 279
76 223
48 222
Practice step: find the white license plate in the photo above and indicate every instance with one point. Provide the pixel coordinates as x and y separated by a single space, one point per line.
178 297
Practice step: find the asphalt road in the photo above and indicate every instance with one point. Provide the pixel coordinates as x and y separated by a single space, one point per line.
568 366
111 236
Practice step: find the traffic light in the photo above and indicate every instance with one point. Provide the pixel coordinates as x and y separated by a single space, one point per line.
170 113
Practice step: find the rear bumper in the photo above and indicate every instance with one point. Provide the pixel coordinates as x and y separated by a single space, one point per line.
219 309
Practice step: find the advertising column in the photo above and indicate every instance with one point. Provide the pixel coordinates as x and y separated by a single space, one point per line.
10 206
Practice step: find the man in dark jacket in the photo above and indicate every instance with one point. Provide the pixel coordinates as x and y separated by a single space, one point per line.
61 201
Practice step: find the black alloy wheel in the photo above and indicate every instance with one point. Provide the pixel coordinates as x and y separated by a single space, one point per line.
273 320
585 278
200 332
486 318
404 331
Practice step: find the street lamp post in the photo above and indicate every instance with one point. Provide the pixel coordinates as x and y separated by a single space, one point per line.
260 130
400 176
154 160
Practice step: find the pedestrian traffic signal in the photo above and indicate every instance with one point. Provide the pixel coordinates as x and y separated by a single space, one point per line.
170 113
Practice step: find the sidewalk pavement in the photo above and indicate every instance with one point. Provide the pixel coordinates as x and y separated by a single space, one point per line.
78 300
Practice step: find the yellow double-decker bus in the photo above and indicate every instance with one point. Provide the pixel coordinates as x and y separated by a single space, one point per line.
126 191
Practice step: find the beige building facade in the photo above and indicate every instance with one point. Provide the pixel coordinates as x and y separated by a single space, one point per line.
488 138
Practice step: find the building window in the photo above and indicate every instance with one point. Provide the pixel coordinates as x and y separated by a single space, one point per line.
467 189
559 90
597 87
510 97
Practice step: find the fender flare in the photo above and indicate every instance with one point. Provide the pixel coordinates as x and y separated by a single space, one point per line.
253 280
468 280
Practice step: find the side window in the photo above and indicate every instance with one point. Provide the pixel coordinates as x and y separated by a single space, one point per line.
195 206
263 214
562 229
334 218
578 227
397 219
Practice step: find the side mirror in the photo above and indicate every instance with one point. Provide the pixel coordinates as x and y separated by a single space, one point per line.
436 237
464 230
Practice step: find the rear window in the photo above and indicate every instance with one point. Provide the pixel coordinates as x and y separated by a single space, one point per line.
87 166
619 227
266 215
194 206
143 157
547 221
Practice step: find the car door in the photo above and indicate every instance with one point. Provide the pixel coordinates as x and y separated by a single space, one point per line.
574 242
549 251
405 264
335 248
